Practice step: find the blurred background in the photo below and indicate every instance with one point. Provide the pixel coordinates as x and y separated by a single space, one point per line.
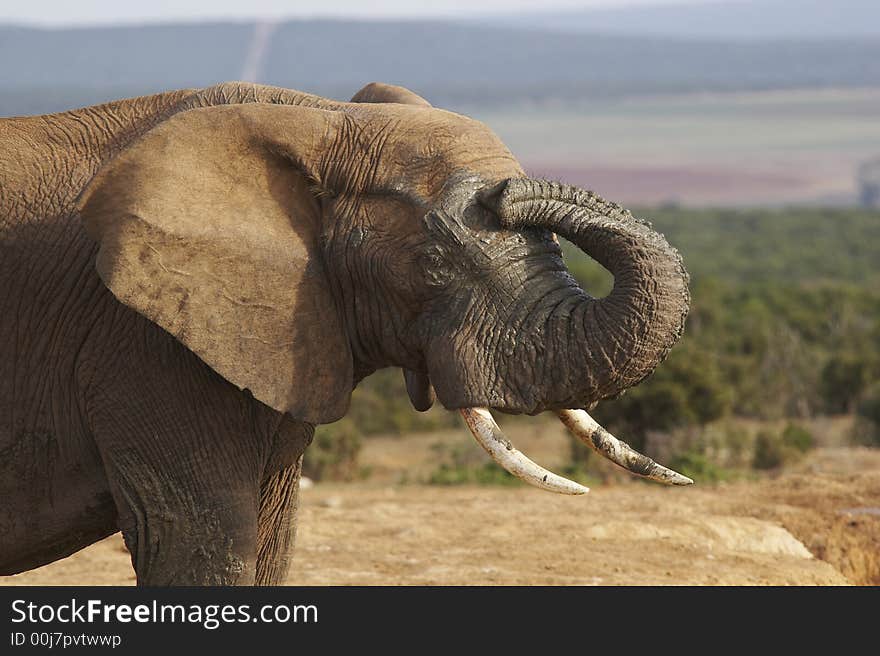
747 131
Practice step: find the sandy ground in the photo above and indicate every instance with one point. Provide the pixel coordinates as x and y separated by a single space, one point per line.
816 526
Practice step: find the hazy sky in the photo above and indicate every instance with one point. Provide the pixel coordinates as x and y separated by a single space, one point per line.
79 12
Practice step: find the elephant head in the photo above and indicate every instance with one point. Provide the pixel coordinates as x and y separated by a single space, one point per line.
298 248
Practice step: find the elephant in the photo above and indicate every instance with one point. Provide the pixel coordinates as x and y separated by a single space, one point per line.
191 281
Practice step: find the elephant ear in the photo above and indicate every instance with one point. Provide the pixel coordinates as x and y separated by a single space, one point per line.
379 92
208 226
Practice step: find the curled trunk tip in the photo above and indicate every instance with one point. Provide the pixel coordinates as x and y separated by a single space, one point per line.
618 340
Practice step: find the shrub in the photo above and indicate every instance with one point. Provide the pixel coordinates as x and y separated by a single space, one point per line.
380 405
486 474
698 467
579 453
726 443
867 426
773 450
865 433
844 378
333 454
466 465
686 390
798 438
769 451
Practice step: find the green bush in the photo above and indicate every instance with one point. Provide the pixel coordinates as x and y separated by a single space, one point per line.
865 433
686 390
486 474
333 454
773 450
380 405
798 438
769 451
866 430
463 464
698 467
727 443
869 408
844 378
584 466
580 454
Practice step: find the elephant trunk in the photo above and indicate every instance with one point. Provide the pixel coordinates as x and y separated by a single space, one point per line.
616 341
613 342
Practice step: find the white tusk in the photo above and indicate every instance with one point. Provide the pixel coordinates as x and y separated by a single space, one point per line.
490 437
594 436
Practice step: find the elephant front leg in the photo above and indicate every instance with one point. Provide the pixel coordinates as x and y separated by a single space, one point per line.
178 537
276 524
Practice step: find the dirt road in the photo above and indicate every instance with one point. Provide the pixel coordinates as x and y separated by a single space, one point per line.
769 532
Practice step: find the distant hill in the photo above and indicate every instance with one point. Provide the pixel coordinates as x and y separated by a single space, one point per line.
452 64
47 70
739 19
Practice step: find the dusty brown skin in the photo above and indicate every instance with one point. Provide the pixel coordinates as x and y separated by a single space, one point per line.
189 282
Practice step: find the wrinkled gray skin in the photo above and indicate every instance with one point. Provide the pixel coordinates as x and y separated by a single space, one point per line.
433 253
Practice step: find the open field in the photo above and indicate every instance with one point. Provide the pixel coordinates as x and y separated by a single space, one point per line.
774 147
817 524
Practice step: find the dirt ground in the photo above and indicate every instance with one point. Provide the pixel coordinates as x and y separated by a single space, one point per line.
819 525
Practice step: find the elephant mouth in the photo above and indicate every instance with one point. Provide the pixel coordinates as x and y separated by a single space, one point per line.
489 435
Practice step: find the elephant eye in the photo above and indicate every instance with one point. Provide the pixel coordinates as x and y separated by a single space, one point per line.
436 267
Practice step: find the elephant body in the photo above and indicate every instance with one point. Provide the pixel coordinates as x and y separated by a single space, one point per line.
191 281
106 421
